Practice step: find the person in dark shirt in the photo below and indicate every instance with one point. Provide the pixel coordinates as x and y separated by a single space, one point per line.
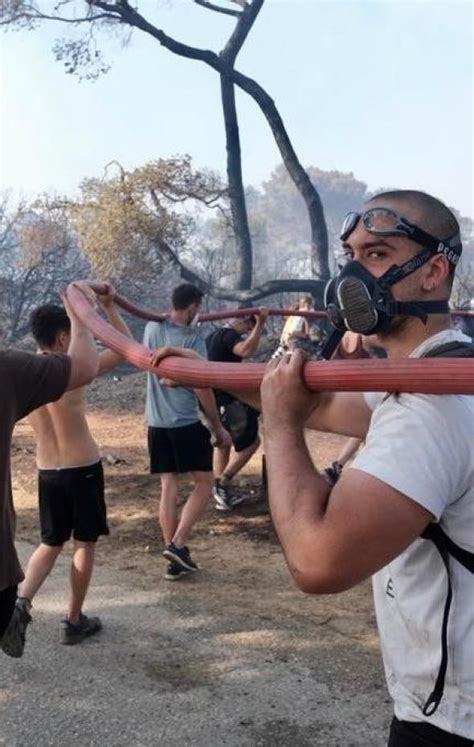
233 343
28 381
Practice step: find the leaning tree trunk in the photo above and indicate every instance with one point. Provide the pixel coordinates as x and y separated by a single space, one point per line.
224 65
301 180
235 185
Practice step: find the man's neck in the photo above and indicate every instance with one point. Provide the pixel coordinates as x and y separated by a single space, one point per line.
405 340
179 317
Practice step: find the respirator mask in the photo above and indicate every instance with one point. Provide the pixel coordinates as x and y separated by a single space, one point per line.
358 301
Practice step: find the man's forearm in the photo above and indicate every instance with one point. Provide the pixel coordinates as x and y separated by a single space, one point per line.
208 403
108 359
298 494
116 320
84 356
250 345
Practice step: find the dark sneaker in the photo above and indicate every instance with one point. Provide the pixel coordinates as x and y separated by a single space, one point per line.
181 556
87 626
13 641
174 572
225 499
333 473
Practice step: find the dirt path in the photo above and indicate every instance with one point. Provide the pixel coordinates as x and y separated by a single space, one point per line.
233 656
255 664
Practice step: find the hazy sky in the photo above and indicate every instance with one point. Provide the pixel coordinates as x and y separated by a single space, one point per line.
383 89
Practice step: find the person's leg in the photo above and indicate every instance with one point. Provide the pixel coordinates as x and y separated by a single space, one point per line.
168 512
7 605
221 459
86 489
242 423
192 453
56 512
349 449
14 619
238 460
39 567
194 507
81 572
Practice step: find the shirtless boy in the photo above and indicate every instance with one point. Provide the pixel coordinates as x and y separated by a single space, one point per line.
70 484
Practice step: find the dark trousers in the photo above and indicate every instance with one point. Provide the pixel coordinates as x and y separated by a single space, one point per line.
7 605
411 734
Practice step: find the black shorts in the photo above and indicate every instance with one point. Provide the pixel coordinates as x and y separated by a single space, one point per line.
71 501
184 449
242 423
423 734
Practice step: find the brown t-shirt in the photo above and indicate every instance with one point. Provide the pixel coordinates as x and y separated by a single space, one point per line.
27 381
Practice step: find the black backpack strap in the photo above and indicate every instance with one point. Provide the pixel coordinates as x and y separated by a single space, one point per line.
434 699
446 548
456 349
435 533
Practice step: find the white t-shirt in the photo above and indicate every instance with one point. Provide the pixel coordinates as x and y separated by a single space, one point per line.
292 324
423 446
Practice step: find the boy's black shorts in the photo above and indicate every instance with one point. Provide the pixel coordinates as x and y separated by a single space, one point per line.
71 501
184 449
241 421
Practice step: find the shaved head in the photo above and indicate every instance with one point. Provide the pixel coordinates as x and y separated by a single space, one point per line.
431 214
427 212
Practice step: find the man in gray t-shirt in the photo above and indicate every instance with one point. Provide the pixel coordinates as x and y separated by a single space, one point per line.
177 440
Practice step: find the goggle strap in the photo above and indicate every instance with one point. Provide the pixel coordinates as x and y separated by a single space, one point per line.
420 309
397 272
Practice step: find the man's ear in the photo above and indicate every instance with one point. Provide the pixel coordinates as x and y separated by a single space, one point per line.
436 273
62 340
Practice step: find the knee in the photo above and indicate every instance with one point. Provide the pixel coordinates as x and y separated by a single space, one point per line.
52 551
87 547
204 481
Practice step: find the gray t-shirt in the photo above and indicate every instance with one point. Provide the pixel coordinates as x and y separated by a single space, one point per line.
171 407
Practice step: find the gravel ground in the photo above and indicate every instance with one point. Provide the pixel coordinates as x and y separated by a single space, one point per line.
170 666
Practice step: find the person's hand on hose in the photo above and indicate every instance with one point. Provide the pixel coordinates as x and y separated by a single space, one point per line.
221 438
166 351
67 306
286 401
86 290
262 315
106 299
169 350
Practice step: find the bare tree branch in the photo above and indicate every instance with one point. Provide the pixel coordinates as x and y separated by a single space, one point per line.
319 236
211 6
314 287
223 64
241 31
107 7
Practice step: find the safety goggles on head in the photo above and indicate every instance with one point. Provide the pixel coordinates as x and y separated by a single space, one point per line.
382 221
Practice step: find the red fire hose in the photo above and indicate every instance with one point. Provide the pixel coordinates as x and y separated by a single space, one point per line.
430 376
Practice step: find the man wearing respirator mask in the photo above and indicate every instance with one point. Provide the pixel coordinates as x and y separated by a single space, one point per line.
404 510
